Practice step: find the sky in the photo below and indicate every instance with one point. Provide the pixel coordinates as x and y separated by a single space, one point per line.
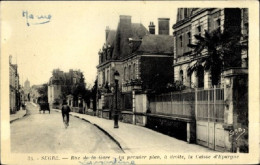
72 37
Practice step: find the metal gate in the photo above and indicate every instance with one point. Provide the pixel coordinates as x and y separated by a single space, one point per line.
209 107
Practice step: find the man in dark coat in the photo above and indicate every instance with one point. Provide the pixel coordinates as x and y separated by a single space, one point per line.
65 110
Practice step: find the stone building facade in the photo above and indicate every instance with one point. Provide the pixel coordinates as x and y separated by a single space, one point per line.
14 87
212 125
192 21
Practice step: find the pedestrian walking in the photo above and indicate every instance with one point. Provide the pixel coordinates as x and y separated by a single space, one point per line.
65 110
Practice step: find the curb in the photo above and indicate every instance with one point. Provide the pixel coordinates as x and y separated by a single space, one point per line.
11 121
111 137
104 131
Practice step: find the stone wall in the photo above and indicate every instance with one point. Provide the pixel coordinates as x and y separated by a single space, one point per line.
139 119
106 114
173 128
126 117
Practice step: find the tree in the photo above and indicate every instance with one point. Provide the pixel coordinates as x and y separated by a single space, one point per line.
94 93
65 90
80 87
68 87
223 50
43 91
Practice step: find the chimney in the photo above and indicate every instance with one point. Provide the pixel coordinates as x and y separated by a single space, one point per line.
151 28
107 31
124 32
163 26
125 20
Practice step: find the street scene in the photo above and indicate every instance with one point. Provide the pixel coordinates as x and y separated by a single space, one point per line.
87 135
127 81
46 134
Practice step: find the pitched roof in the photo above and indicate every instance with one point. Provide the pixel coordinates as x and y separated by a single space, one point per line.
111 37
123 33
142 41
139 30
156 44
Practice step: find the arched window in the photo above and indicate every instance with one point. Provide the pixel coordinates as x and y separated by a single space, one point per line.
181 76
200 76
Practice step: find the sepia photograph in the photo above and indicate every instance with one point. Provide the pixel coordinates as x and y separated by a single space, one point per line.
129 82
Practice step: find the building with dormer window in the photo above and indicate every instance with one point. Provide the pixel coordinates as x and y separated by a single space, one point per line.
142 59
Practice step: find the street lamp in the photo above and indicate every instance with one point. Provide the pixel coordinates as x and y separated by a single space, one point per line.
116 76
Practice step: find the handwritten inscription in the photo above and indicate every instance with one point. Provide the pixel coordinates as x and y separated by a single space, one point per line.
32 19
112 162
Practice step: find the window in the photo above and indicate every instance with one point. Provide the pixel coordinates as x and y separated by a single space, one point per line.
189 78
125 73
199 30
134 71
103 77
181 76
200 74
185 13
217 24
129 72
180 40
108 76
245 30
189 37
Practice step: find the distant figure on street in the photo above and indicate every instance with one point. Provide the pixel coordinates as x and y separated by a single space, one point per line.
65 113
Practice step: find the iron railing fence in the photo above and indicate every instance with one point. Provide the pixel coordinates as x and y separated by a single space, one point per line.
202 104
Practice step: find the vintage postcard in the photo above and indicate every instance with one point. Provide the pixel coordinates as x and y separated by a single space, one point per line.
129 82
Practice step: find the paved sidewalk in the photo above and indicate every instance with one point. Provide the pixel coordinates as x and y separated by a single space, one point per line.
138 139
19 114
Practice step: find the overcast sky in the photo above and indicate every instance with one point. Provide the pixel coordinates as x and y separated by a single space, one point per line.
72 37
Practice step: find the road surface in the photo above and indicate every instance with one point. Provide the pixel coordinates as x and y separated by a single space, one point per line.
45 133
